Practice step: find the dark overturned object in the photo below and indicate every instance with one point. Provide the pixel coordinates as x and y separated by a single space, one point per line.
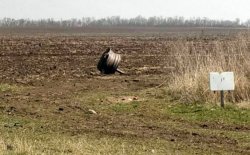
108 63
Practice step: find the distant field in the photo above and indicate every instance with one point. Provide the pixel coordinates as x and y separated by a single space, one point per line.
121 30
54 101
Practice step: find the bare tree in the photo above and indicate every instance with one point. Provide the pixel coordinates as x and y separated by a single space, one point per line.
117 21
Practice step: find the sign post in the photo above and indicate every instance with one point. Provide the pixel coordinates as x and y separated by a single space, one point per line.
222 98
221 82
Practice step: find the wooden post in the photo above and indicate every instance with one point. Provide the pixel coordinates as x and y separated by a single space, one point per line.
222 98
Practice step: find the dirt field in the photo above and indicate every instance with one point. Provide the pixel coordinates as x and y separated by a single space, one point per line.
54 101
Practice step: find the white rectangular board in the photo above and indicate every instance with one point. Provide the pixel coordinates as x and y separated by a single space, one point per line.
221 81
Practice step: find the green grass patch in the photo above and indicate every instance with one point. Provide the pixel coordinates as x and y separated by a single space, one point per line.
212 113
8 87
29 139
125 107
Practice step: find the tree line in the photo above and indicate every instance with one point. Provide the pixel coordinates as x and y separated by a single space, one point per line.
118 21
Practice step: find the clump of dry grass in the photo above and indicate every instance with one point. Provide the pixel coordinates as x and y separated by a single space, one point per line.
6 87
194 60
84 144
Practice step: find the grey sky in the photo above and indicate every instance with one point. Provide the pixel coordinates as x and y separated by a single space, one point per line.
65 9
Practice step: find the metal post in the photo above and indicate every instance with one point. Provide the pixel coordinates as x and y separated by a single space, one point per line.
222 98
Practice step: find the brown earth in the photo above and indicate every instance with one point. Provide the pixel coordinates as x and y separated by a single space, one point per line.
53 71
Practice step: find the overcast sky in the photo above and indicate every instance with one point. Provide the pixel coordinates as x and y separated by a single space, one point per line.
66 9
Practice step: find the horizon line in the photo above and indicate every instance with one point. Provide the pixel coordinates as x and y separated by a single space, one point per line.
117 16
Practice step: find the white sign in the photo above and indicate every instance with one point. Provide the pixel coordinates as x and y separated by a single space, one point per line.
221 81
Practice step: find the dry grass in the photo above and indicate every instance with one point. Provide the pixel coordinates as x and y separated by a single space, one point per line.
7 87
194 60
85 144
